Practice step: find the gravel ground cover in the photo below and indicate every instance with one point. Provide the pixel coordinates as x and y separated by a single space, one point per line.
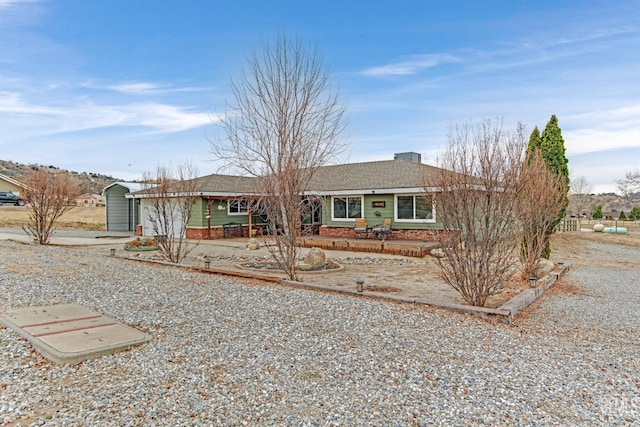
234 352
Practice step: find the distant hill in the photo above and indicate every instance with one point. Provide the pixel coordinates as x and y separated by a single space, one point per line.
610 202
89 182
95 183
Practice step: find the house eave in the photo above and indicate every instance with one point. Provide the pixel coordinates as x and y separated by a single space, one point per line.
407 190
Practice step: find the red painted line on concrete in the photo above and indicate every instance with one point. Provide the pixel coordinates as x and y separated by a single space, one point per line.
44 334
62 321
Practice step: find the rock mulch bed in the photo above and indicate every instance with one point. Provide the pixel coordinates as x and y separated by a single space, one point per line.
233 352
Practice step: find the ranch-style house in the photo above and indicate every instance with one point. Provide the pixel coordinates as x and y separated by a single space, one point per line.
390 189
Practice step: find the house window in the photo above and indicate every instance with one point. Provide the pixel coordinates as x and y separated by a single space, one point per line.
238 207
416 208
313 210
344 208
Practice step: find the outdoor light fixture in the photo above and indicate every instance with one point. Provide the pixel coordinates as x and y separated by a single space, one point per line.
532 281
113 252
207 262
359 285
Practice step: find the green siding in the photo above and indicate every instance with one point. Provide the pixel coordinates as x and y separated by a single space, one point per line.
197 218
218 217
372 218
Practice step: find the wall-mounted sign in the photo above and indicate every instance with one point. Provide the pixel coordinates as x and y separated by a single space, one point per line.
378 204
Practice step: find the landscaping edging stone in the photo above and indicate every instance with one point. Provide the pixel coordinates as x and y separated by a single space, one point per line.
505 313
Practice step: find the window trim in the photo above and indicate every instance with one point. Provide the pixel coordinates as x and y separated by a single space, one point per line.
239 202
361 197
414 220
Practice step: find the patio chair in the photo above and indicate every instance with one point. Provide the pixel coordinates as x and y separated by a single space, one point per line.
360 228
382 231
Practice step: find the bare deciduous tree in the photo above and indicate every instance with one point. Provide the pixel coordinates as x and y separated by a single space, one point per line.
170 198
477 205
630 183
48 197
541 198
492 197
579 195
286 123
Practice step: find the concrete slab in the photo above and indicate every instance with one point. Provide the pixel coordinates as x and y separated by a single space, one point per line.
69 333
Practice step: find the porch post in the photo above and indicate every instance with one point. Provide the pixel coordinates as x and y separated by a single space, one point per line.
250 212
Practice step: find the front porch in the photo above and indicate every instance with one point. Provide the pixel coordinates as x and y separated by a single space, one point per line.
412 248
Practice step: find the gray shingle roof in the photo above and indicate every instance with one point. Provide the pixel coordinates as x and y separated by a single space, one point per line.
385 174
377 175
226 184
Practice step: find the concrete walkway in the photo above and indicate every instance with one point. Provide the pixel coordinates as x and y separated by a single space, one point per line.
70 237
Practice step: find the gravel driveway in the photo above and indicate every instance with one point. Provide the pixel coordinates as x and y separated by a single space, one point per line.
227 352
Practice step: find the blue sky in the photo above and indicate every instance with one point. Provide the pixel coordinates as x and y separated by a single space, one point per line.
118 87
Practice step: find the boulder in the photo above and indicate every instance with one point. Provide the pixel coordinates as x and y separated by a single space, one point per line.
598 227
253 244
303 266
437 253
544 267
316 258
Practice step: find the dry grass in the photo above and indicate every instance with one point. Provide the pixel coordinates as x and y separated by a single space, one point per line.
576 248
81 218
574 241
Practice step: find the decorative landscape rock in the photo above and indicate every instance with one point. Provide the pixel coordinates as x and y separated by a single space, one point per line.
140 244
544 266
315 259
253 244
598 228
303 266
437 253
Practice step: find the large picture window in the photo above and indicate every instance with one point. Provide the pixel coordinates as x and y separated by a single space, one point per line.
414 208
344 208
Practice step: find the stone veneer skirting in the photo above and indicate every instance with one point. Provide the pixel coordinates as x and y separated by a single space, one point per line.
203 233
327 231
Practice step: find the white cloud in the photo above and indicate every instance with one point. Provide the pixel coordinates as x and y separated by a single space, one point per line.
143 88
9 3
17 13
135 88
12 103
87 115
411 66
594 140
603 130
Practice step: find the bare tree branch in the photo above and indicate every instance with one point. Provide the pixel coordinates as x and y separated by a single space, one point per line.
48 197
630 184
170 197
540 200
580 195
480 180
286 123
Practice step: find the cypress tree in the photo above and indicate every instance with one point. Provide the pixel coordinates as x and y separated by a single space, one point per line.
553 151
551 146
535 141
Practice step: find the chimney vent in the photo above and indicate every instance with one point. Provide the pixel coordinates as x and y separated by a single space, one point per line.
411 156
